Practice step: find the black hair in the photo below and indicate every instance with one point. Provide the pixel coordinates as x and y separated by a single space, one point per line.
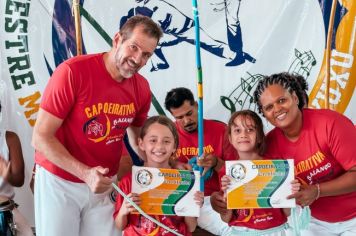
287 81
302 82
177 96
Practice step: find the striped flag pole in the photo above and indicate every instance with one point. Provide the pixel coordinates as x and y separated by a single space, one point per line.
329 39
200 87
78 26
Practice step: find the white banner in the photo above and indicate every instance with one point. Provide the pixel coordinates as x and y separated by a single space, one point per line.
241 40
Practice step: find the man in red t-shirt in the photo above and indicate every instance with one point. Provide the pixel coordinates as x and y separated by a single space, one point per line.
181 104
87 106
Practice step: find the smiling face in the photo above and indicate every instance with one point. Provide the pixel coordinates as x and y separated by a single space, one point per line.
243 135
186 116
132 54
158 144
280 107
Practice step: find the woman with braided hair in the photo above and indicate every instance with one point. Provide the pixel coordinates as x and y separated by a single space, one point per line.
303 84
322 144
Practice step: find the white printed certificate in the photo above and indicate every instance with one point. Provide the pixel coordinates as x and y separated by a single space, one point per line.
260 184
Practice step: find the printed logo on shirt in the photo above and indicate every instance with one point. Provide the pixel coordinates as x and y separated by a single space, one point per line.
310 163
243 215
99 125
110 109
147 226
193 151
315 167
258 219
98 128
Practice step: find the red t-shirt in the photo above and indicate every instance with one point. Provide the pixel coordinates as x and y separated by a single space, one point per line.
139 225
215 142
95 109
260 219
324 151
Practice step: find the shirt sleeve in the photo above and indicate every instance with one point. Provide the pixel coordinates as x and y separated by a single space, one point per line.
59 95
341 138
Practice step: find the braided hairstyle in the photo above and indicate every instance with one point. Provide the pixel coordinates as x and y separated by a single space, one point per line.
302 82
291 82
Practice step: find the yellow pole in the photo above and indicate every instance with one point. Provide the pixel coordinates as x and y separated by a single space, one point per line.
78 29
328 53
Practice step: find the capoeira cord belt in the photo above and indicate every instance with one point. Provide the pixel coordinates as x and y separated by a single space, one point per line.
236 231
300 220
142 212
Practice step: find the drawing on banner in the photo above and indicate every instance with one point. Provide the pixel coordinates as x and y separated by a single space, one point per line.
177 27
242 96
303 63
234 33
63 34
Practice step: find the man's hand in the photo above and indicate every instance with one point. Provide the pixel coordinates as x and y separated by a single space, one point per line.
207 161
218 202
95 179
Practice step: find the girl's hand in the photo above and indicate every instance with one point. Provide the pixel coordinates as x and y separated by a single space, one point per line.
225 182
199 198
295 186
218 202
126 207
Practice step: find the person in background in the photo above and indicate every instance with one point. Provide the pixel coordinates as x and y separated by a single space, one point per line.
181 104
88 104
12 174
159 141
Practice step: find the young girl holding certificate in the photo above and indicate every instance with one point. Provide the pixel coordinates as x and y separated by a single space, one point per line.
246 134
159 141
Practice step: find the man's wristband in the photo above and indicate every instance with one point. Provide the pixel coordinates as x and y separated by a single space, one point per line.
318 191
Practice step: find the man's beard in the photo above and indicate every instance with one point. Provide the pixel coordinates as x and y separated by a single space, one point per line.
190 127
